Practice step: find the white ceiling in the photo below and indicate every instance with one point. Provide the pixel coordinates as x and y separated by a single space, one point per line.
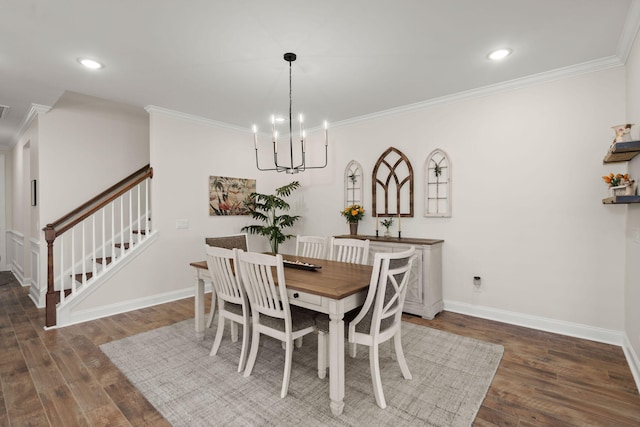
222 60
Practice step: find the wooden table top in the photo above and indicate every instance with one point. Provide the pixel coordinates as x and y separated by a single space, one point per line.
407 240
335 280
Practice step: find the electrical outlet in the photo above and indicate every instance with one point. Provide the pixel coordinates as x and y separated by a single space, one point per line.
477 282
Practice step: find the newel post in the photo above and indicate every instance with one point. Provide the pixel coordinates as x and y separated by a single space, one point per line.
52 296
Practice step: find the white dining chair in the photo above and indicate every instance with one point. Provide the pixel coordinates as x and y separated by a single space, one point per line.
238 241
379 319
270 310
355 251
311 246
233 303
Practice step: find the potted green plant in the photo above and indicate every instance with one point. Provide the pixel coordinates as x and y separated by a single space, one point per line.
265 208
386 223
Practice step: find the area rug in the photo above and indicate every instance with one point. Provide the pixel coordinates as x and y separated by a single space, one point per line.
451 376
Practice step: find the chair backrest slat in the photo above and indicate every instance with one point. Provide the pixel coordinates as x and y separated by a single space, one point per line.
224 279
355 251
387 290
267 294
311 246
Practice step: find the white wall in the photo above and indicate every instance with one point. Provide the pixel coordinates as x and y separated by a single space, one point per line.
632 246
5 185
23 218
527 190
86 144
184 153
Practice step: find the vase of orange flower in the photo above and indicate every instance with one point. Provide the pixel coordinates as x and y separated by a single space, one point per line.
353 214
620 185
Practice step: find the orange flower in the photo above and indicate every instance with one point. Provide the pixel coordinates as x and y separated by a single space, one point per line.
617 179
353 213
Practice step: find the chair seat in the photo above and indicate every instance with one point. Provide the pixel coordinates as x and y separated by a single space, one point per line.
233 308
301 318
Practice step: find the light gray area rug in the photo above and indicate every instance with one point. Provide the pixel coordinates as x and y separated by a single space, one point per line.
451 376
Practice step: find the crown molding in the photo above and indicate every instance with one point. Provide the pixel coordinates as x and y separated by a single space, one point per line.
152 109
34 111
629 31
532 80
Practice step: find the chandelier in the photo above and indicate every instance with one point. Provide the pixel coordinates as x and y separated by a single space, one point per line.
300 152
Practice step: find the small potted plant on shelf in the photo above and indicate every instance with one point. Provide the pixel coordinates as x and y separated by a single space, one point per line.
620 184
353 215
386 223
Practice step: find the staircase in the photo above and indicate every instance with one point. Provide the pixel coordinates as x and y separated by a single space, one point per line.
87 244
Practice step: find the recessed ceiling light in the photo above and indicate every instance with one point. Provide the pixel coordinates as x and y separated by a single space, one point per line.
499 54
280 119
90 63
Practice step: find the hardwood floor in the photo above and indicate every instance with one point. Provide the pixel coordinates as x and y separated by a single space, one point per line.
61 378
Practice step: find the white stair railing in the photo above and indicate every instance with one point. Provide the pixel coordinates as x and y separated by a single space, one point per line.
84 255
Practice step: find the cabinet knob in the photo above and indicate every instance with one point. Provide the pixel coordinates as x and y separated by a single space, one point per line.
296 295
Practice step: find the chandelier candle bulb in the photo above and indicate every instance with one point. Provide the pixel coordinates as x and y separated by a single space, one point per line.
326 133
255 137
290 148
301 126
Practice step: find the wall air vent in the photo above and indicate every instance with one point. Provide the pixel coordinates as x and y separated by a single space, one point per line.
3 111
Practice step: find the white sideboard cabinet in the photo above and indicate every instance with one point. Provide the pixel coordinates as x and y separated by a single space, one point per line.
424 294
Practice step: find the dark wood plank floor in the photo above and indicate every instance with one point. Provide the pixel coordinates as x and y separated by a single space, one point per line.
61 378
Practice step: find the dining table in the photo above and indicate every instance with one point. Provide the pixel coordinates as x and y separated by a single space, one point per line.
321 285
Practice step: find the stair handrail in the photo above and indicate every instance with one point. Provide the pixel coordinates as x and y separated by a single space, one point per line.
82 212
94 204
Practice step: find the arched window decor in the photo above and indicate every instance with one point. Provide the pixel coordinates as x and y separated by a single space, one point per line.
437 199
392 185
353 184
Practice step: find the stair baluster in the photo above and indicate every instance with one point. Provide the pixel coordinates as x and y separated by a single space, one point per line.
94 245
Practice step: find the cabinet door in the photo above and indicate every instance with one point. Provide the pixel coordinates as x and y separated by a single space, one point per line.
414 296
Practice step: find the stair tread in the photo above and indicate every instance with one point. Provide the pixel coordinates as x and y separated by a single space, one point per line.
79 276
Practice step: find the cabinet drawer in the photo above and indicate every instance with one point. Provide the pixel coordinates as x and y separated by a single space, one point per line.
304 297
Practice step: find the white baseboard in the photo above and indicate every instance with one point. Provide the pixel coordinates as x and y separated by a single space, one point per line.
18 274
577 330
556 326
37 296
632 359
81 316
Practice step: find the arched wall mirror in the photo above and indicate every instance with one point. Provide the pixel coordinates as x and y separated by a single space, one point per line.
392 185
437 198
353 184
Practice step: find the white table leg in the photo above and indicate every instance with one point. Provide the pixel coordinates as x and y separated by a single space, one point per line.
199 308
336 357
